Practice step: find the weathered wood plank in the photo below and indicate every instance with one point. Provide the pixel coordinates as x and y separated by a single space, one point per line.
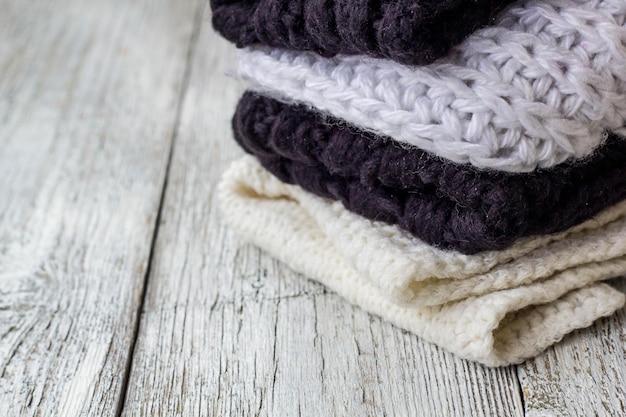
584 375
226 330
89 93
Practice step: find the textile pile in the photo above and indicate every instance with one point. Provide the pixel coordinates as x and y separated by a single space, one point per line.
456 167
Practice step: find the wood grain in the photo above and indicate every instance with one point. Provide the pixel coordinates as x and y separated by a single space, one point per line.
584 375
90 108
226 330
89 93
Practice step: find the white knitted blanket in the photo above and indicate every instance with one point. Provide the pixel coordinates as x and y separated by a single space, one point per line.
496 308
540 87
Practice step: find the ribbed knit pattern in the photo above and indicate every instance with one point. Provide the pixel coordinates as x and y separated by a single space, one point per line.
445 204
539 88
408 31
497 308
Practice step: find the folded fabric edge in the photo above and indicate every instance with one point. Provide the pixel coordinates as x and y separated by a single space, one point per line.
526 333
497 329
400 31
410 272
450 206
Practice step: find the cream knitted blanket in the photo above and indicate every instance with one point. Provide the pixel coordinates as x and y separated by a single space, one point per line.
496 308
540 87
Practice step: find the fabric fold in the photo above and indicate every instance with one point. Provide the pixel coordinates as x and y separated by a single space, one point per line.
410 32
537 89
496 308
448 205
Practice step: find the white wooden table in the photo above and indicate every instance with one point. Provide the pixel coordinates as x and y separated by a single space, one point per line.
123 293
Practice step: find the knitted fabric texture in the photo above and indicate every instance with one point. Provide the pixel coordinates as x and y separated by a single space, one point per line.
496 308
448 205
541 87
411 32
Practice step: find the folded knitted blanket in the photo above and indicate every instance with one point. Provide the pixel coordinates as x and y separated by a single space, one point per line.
537 89
445 204
408 31
496 308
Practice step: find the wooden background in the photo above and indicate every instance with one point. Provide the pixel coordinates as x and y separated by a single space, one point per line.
123 294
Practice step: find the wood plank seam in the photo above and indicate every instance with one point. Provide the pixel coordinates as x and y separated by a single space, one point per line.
191 51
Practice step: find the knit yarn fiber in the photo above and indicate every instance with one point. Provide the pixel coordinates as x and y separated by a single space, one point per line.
445 204
538 89
410 32
496 308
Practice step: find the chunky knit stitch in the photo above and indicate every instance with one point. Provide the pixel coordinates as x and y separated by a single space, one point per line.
497 307
411 32
541 87
445 204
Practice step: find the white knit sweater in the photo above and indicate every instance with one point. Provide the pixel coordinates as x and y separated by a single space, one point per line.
496 308
540 87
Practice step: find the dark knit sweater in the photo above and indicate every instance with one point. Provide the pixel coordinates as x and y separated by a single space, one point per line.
445 204
408 31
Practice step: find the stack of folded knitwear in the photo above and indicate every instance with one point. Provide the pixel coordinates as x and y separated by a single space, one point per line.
457 167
